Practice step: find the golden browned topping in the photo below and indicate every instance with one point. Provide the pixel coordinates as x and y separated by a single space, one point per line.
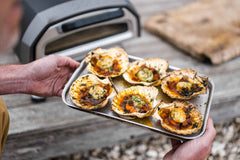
144 74
135 103
105 65
93 94
178 118
183 86
147 72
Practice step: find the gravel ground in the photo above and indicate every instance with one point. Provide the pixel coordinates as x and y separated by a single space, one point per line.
226 146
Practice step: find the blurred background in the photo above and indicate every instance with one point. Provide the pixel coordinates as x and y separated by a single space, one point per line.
52 131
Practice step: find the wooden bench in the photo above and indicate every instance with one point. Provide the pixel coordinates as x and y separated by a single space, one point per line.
50 129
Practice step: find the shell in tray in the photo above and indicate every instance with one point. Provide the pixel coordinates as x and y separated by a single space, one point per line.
90 92
202 103
107 63
148 72
135 101
179 117
184 84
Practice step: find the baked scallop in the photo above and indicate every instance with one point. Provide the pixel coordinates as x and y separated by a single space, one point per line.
89 92
107 63
184 84
136 101
146 72
179 117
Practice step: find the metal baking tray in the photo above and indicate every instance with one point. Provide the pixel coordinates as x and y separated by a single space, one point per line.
202 102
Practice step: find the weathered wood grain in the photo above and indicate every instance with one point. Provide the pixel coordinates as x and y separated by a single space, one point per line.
23 100
148 8
83 136
44 115
225 111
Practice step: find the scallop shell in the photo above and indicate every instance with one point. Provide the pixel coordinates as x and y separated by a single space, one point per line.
184 84
112 58
176 109
135 70
90 80
149 95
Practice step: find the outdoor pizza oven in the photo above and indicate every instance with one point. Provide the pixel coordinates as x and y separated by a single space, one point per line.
74 27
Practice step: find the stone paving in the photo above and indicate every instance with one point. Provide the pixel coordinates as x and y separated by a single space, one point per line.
226 146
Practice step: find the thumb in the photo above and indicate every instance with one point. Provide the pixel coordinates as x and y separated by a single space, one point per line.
59 93
69 62
169 155
175 143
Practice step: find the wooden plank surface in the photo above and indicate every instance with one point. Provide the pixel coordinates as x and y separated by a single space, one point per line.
85 135
42 130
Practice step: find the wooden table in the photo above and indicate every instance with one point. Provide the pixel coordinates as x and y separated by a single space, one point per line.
50 129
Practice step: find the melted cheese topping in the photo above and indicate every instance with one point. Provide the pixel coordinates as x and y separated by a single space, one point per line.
145 75
105 62
134 103
97 91
138 101
181 85
178 115
106 65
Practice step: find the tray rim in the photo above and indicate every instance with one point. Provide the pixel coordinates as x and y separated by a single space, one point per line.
166 133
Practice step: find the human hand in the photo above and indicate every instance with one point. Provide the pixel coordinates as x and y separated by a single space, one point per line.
197 149
48 76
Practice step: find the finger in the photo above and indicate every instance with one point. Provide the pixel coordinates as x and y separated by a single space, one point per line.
210 132
175 143
169 155
69 76
72 63
209 149
210 127
69 62
59 94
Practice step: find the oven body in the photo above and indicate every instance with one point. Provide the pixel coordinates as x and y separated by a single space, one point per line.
74 27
